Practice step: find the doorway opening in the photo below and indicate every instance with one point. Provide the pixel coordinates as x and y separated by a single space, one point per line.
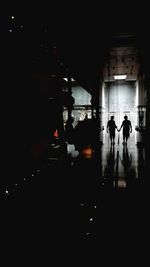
118 100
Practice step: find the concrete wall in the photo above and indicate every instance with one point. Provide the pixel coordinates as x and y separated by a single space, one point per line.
141 92
81 96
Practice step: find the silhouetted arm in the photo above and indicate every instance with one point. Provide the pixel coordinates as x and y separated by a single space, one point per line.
120 127
107 127
130 127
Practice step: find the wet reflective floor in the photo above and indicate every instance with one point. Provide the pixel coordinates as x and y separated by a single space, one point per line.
96 194
112 193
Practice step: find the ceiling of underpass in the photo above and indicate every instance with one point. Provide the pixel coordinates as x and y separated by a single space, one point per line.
94 47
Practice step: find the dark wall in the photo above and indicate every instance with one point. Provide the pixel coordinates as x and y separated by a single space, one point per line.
28 117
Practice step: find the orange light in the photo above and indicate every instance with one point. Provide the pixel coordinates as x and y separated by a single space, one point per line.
87 152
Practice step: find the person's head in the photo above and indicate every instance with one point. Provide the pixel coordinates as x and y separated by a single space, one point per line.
125 117
112 117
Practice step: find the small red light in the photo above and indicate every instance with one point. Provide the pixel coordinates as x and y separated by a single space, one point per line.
55 134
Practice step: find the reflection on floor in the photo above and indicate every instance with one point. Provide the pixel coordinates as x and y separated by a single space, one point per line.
112 193
120 162
99 190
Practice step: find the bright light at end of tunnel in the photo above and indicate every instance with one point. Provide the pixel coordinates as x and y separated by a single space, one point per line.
120 77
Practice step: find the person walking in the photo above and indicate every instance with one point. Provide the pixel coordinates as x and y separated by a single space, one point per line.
127 129
111 128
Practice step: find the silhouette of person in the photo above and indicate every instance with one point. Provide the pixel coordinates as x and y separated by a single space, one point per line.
111 127
127 129
69 130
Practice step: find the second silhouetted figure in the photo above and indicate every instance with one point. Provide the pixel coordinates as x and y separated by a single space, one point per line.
111 127
127 129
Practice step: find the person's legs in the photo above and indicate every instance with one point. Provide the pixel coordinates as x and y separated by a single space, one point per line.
113 139
124 139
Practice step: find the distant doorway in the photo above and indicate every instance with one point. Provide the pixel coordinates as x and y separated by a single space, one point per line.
119 99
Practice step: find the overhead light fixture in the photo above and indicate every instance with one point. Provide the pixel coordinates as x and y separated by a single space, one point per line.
66 79
120 77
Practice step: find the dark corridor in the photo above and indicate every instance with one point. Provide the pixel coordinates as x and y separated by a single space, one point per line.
57 191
